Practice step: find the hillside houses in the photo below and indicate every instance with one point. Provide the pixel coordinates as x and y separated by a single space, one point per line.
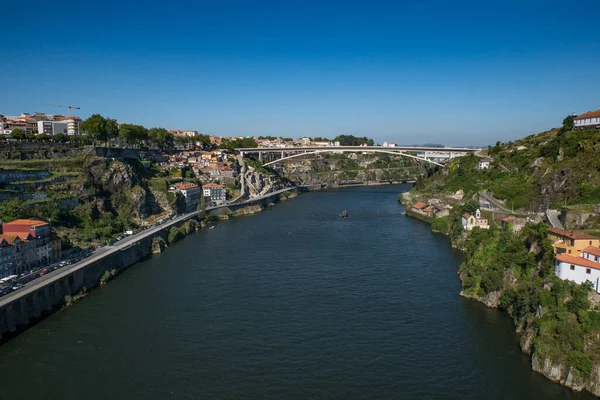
430 210
206 165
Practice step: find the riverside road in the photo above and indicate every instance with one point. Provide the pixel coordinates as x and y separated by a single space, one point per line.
102 252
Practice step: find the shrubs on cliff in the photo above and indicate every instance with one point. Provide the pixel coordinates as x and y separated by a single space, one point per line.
440 225
175 234
538 172
555 314
188 227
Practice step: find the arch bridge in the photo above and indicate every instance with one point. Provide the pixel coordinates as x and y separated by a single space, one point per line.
433 155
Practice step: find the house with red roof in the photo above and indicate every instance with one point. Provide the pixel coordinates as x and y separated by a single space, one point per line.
580 269
214 193
590 119
192 193
27 244
571 242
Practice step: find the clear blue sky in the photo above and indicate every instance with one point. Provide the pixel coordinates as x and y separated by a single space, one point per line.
452 72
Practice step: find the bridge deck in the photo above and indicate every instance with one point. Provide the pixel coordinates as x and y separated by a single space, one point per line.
355 148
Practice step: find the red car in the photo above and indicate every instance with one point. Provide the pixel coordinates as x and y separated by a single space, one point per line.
44 271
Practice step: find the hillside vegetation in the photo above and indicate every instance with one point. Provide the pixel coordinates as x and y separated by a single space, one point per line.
88 199
547 170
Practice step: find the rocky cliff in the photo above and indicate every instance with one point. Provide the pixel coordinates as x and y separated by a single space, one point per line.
333 169
260 182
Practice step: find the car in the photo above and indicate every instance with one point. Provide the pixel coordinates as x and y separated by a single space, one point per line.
44 271
17 286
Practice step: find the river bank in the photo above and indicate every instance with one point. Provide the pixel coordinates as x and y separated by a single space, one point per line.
513 271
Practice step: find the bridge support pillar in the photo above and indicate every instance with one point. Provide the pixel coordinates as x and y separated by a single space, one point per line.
260 156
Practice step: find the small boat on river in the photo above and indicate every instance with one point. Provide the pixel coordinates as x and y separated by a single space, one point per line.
344 214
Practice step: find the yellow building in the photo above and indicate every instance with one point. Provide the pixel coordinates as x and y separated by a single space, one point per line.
571 242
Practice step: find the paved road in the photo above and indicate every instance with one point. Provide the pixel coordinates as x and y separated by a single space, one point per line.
495 202
552 216
107 250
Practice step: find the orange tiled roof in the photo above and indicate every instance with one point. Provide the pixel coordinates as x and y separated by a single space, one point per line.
213 186
10 237
589 114
30 222
467 215
577 261
595 251
419 205
185 186
575 235
429 209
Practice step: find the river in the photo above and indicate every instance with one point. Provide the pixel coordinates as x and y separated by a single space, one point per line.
292 303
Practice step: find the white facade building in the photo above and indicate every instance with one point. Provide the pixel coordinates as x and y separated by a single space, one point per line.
52 127
191 192
72 125
589 119
474 221
580 269
484 163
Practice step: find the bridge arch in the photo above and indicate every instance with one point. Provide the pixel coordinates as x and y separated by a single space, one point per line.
333 149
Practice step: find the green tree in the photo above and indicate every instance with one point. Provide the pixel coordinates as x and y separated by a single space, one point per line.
112 128
238 143
17 134
568 123
182 140
11 210
161 138
95 127
60 138
470 206
350 140
43 137
133 134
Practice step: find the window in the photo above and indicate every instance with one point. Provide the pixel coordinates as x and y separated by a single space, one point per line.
569 251
588 271
590 242
572 268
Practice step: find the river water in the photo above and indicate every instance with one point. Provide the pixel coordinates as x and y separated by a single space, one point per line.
292 303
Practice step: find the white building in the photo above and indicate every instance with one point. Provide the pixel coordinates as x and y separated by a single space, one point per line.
589 119
484 163
191 192
474 221
184 132
52 127
72 125
580 269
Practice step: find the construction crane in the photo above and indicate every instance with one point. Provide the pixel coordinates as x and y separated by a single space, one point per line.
69 107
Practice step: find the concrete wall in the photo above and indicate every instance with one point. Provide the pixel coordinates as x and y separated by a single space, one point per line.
15 175
26 310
